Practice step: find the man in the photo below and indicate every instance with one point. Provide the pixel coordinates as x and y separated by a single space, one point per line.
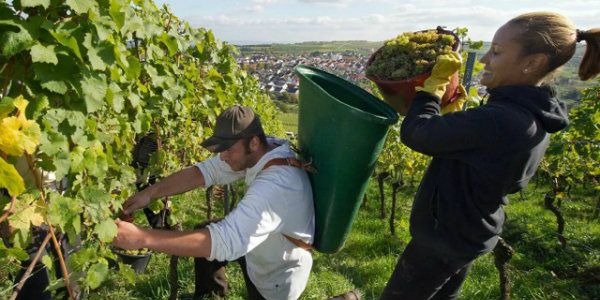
269 231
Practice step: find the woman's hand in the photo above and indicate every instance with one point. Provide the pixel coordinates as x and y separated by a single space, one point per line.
446 65
456 105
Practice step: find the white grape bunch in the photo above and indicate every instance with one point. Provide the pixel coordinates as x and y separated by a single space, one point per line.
409 54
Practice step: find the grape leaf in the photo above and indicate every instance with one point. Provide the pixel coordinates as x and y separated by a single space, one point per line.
92 53
40 53
116 13
6 107
55 78
27 213
96 275
63 211
106 230
15 252
10 178
13 42
18 253
59 87
135 68
53 143
76 157
62 164
65 39
82 6
96 203
34 3
18 135
94 90
115 98
47 261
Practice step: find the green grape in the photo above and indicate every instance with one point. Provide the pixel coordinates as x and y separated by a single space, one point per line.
135 252
409 54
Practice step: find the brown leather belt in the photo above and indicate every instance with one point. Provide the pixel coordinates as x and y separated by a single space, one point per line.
293 162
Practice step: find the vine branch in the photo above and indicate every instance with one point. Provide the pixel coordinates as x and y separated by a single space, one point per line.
63 265
37 256
9 210
61 259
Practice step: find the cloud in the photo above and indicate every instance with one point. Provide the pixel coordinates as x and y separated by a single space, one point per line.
265 1
323 1
328 3
482 18
253 8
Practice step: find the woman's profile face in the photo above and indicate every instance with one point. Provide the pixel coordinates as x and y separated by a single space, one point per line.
504 64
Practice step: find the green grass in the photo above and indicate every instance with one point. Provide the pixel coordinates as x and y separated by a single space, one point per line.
289 121
288 114
540 269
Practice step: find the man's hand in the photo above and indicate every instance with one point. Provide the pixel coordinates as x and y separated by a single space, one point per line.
138 200
176 183
445 66
129 236
195 243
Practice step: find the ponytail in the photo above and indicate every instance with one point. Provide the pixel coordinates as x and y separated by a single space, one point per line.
590 64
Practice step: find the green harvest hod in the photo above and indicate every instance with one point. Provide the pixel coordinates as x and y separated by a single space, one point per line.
342 128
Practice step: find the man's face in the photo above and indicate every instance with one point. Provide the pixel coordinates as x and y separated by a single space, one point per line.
239 156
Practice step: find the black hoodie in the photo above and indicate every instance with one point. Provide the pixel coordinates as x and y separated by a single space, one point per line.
479 156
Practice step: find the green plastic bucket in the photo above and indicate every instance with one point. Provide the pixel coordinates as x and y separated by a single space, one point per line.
342 129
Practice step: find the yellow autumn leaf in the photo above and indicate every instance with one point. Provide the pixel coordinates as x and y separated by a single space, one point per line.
21 104
10 179
18 135
26 213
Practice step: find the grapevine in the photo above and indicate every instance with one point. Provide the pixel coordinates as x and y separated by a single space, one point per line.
80 81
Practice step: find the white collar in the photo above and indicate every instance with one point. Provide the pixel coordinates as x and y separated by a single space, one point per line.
283 150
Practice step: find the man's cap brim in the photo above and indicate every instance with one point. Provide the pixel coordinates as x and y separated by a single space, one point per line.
215 144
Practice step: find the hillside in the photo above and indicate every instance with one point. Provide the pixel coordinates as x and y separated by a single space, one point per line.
568 84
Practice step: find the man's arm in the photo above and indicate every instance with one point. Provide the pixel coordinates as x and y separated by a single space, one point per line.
176 183
195 243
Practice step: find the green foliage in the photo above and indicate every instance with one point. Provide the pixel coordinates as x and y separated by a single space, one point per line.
463 35
99 75
573 156
396 159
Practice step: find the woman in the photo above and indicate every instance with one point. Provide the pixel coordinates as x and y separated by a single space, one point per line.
483 154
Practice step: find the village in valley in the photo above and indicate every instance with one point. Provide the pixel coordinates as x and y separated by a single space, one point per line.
275 74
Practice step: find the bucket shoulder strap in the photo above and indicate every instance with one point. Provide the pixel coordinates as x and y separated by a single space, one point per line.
291 161
294 162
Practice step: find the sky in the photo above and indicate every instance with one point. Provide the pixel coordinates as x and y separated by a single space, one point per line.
290 21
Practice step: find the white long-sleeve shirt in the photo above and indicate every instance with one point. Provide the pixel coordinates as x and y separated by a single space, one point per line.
278 201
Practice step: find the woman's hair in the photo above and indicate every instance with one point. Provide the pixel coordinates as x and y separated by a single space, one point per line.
556 36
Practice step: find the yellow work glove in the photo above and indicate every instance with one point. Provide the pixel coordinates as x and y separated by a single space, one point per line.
458 104
445 66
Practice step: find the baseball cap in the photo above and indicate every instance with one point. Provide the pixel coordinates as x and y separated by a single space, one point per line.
233 124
